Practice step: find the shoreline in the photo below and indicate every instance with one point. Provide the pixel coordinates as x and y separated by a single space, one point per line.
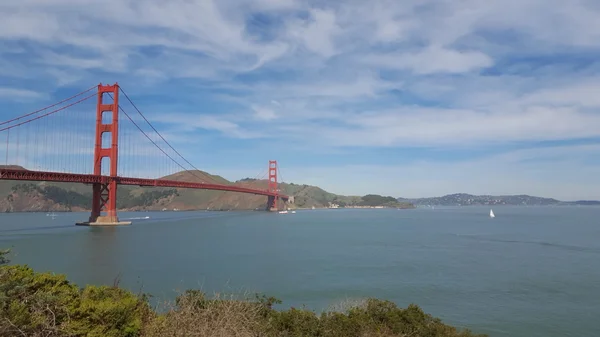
304 208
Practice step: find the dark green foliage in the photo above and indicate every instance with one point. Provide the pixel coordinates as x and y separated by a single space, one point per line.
339 324
44 304
26 188
67 198
375 317
108 311
33 303
56 194
376 200
146 198
294 322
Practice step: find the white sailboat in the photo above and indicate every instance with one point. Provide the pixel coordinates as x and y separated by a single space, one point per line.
492 214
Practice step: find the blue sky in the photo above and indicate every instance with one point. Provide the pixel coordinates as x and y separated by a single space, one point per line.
403 98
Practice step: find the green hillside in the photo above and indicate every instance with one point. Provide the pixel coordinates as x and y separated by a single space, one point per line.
18 196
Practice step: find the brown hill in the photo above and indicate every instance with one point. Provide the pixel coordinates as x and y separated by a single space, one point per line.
13 167
45 196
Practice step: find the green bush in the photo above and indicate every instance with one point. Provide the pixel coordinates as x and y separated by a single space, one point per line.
41 304
44 304
108 311
373 318
34 303
294 322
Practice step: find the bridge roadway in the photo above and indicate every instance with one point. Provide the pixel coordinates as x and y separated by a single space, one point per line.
26 175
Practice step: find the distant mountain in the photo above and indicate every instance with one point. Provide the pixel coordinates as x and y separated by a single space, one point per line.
582 202
463 199
19 196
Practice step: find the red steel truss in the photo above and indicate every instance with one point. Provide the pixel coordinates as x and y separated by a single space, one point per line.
11 174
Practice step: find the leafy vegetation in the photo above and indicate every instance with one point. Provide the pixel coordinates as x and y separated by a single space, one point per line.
377 200
55 194
44 304
146 198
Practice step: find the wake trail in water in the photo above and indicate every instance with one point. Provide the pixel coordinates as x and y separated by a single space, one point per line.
478 237
28 229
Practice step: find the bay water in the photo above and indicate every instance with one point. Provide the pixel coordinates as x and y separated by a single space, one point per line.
530 271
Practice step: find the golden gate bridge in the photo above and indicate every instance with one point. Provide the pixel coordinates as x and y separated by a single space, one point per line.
54 144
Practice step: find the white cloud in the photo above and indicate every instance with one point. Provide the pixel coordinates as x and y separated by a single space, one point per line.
319 33
52 58
264 113
421 126
63 77
190 123
218 30
378 73
580 94
434 59
495 117
19 94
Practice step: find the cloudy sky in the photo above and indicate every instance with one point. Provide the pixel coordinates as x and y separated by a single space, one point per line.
403 98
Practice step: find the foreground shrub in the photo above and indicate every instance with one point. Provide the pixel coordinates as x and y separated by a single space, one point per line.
373 318
34 304
108 311
193 314
44 304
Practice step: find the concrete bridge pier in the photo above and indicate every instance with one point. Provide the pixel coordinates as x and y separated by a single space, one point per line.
273 204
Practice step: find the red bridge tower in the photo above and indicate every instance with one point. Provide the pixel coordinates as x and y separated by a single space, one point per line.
272 200
104 194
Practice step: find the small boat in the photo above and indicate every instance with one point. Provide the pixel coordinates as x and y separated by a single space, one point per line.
293 212
492 214
283 212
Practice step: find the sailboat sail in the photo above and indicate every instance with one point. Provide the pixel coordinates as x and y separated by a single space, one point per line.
492 214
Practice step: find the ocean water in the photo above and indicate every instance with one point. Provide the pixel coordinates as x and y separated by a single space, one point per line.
531 271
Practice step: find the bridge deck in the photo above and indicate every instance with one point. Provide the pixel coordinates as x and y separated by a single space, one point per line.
12 174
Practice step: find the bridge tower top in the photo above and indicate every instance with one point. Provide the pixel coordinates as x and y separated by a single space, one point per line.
113 128
273 181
